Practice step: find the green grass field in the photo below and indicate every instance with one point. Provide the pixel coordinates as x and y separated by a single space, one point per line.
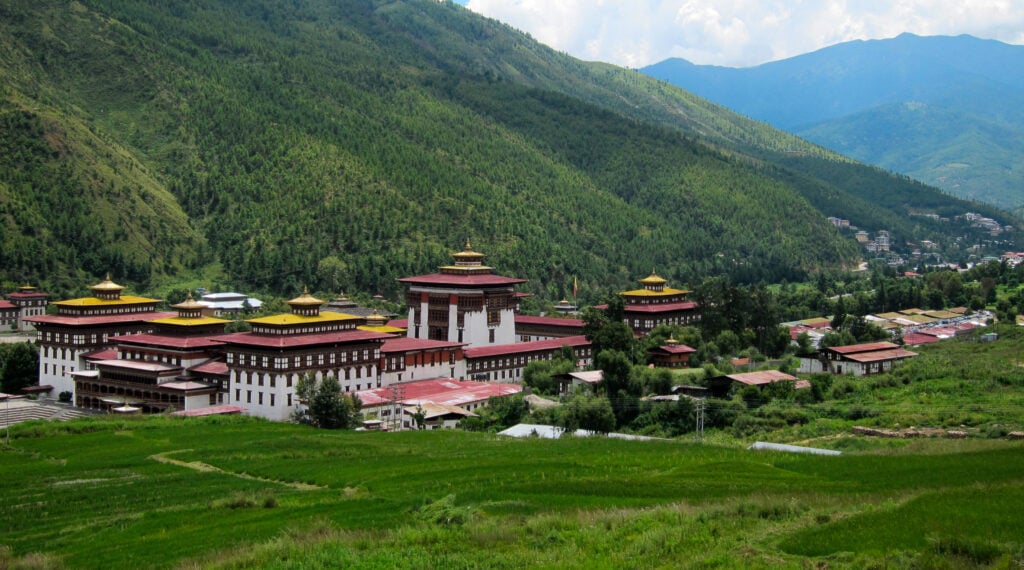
237 492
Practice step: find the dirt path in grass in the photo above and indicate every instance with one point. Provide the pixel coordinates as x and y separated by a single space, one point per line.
206 467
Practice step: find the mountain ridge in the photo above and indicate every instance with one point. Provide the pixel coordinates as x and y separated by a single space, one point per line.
823 95
341 145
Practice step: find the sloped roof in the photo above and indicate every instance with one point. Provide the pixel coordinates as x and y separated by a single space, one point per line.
761 377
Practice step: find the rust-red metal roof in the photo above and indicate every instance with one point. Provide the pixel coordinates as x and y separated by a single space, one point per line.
661 307
865 347
441 391
525 347
299 340
548 321
406 344
879 355
454 280
761 377
140 317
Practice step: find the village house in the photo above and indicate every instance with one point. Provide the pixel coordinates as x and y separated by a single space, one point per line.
671 355
443 401
719 386
857 359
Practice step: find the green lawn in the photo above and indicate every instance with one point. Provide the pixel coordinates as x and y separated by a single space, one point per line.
248 493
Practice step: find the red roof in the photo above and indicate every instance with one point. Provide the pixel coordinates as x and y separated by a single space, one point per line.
879 355
523 347
188 386
7 305
761 377
139 365
21 295
918 338
101 319
211 367
106 354
462 280
440 391
170 341
399 323
211 411
676 349
548 321
298 340
661 307
406 344
866 347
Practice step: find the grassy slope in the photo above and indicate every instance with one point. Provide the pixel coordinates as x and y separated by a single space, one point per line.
99 499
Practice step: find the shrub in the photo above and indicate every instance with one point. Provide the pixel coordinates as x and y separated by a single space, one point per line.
442 512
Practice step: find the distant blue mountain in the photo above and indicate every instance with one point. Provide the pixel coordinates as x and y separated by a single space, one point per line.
946 110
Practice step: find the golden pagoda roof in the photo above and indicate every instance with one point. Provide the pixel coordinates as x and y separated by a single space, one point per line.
305 299
187 322
189 304
382 329
376 318
94 302
468 254
654 279
650 293
107 285
293 319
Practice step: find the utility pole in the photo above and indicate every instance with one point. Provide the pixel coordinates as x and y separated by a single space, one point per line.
699 434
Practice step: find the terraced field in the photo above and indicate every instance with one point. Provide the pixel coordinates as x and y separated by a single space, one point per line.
237 492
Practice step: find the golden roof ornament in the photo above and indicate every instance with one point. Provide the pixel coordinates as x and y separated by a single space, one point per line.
107 285
189 304
305 299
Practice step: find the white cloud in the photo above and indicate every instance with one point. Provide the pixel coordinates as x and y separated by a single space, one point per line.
635 33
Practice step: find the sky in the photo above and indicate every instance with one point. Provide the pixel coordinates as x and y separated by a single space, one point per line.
741 33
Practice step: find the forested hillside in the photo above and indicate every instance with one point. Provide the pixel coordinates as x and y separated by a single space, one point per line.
344 144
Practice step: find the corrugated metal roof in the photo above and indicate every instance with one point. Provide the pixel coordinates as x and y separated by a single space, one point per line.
140 317
761 377
865 347
895 354
441 391
661 307
548 321
406 344
523 347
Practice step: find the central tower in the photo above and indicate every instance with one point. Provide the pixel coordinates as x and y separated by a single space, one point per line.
463 302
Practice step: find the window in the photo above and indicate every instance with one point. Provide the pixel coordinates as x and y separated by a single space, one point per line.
271 400
260 398
248 396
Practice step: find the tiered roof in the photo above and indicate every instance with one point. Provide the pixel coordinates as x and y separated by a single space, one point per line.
467 270
304 326
107 306
654 286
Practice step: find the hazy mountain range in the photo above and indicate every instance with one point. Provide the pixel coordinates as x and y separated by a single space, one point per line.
948 111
